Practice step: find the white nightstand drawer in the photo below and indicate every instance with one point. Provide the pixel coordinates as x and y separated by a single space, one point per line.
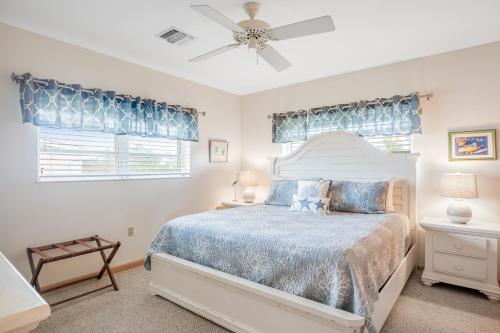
466 267
462 245
462 254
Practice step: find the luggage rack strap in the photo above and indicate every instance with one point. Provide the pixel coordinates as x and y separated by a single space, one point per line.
70 253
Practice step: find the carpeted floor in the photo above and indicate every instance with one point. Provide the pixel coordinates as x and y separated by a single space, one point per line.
441 308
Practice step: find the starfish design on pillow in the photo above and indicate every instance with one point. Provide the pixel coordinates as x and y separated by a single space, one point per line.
304 203
319 204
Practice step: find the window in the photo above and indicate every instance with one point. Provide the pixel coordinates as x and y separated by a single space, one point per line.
69 155
393 144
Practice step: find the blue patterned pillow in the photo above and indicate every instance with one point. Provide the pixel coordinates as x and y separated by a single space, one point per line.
316 205
313 188
359 197
281 192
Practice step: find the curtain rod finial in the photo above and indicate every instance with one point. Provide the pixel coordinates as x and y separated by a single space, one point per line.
14 77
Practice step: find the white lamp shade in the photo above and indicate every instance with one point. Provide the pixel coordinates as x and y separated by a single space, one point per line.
247 178
458 185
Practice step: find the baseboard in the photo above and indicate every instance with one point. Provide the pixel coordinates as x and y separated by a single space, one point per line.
114 269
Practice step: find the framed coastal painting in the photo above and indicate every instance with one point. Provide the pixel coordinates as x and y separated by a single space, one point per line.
472 145
217 151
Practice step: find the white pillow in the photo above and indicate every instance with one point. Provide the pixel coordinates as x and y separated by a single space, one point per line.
313 188
316 205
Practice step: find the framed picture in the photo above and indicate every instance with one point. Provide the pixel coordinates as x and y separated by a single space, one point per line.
217 151
472 145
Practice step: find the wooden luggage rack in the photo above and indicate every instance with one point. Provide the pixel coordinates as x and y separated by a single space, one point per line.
45 258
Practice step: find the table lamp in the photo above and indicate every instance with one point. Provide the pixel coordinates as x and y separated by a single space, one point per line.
247 179
459 186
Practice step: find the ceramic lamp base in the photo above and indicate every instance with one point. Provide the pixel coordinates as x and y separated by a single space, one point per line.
249 195
459 212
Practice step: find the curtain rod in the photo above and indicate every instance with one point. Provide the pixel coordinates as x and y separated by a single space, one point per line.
426 96
16 78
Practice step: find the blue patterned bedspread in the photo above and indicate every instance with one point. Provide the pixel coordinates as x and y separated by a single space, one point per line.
342 259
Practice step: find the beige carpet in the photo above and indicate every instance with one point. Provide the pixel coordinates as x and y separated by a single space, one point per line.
442 308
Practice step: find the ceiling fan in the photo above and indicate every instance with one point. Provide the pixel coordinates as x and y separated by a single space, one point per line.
256 33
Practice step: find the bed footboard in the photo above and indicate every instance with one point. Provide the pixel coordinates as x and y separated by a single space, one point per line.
241 305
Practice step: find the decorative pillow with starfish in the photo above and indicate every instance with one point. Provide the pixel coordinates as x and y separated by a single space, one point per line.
316 205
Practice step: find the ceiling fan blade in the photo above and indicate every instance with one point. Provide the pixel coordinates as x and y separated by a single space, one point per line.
214 15
273 58
304 28
214 52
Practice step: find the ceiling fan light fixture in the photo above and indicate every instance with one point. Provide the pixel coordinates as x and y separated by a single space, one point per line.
252 43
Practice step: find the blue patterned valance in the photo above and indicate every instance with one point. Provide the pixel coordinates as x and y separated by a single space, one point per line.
290 126
399 115
48 103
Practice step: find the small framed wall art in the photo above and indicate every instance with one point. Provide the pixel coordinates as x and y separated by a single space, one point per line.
217 151
472 145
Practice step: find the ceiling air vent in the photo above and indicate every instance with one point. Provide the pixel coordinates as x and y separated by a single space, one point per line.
176 36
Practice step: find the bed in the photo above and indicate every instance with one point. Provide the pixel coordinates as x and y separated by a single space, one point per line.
267 269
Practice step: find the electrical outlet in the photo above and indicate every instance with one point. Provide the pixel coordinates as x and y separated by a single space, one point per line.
130 231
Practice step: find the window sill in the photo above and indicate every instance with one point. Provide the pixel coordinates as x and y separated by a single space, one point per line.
107 178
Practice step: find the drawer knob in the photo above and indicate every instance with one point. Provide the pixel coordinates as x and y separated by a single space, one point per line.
458 246
458 267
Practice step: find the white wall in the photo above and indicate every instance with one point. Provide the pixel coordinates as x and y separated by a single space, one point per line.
37 213
466 86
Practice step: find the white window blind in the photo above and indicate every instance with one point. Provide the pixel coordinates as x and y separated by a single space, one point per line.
156 156
393 144
86 155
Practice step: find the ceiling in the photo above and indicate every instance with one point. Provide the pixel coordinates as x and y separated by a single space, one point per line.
369 33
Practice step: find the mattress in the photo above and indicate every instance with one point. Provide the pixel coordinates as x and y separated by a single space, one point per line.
341 259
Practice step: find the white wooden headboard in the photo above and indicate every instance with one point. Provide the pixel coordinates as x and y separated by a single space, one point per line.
345 156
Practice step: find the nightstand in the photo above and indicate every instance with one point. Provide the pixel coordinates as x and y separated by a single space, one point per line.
462 254
233 204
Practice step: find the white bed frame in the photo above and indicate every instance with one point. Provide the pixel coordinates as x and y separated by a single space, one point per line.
245 306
